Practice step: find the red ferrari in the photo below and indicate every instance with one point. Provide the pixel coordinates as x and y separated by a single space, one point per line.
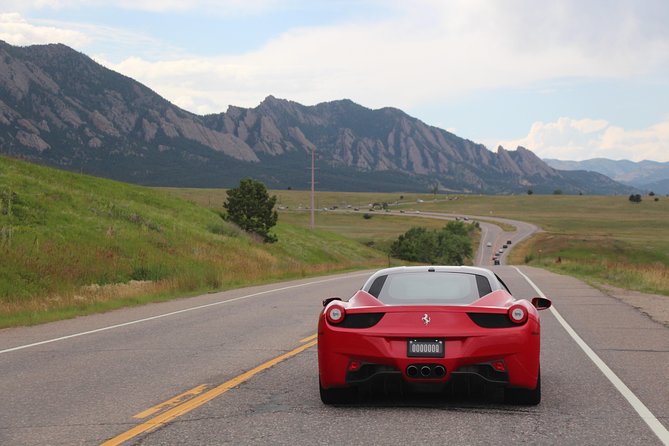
429 326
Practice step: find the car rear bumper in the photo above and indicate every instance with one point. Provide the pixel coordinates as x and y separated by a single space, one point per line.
354 357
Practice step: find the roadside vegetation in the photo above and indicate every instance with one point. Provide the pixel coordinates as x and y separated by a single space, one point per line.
451 245
74 244
601 239
250 207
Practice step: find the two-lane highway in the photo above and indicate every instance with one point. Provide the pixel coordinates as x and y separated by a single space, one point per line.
113 376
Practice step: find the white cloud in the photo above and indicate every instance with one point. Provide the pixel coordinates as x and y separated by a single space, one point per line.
16 30
577 140
427 52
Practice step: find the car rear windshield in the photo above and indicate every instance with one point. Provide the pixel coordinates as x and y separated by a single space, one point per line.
431 288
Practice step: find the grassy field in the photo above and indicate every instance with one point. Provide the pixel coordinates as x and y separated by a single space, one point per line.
73 244
598 238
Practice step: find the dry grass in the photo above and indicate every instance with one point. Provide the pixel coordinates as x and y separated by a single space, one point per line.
89 296
597 259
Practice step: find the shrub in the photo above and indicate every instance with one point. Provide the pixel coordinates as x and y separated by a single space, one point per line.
252 209
449 246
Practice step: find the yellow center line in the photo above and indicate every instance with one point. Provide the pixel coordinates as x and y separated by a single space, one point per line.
173 402
199 400
309 338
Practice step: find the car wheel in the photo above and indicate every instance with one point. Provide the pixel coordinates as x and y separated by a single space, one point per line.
337 395
524 397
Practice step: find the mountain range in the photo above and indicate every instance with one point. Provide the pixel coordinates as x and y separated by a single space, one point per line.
645 175
61 108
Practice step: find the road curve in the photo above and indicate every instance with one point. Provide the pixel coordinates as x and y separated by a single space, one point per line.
491 233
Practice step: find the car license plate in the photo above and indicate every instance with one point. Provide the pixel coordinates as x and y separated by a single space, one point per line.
425 348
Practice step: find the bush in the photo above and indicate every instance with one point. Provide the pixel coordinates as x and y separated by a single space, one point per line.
252 209
449 246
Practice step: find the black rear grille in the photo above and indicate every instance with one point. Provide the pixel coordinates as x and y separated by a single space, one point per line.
484 371
371 371
361 320
491 320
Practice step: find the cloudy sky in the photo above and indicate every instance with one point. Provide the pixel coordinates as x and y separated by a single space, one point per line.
567 79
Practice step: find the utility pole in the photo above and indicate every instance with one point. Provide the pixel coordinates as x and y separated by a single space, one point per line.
313 154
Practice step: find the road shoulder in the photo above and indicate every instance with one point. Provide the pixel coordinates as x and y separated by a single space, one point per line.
654 306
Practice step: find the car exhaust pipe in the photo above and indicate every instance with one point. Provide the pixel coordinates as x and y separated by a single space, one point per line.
425 371
439 371
412 371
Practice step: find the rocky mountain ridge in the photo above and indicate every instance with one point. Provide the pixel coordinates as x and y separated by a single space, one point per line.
59 107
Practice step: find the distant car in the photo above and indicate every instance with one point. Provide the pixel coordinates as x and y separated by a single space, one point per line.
505 246
489 244
508 242
495 261
426 326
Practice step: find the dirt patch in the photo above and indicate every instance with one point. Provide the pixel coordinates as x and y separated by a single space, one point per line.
654 305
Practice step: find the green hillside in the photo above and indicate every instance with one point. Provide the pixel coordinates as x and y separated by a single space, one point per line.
73 244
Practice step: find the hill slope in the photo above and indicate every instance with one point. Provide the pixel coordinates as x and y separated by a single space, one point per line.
59 107
77 242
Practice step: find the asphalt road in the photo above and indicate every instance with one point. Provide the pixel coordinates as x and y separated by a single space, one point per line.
87 380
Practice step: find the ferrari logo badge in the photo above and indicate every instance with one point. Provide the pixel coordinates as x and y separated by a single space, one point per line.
426 319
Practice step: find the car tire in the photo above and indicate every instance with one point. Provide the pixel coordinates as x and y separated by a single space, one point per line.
524 397
337 395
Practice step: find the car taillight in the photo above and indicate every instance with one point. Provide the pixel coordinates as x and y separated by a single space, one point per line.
517 314
335 314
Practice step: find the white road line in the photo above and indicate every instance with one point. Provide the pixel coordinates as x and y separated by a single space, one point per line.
160 316
645 414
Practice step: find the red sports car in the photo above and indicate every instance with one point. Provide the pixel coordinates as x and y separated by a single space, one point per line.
426 326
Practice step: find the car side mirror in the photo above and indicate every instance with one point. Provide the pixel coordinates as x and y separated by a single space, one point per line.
541 303
330 299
